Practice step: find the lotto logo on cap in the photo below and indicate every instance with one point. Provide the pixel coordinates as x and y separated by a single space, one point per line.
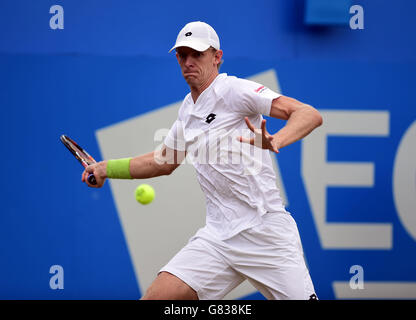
198 36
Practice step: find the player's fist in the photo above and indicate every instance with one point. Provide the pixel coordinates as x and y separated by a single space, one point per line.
99 170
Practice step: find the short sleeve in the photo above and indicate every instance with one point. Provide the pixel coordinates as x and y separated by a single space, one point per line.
252 98
175 139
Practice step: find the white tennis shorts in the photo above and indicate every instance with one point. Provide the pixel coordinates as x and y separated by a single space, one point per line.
269 255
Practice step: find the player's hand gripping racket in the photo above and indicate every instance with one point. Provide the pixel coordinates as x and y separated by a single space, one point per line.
80 154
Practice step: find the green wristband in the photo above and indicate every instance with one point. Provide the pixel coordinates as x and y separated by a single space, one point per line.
119 168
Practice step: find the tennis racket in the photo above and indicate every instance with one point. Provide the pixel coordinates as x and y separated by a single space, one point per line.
80 154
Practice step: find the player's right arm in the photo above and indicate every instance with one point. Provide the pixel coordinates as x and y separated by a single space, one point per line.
156 163
149 165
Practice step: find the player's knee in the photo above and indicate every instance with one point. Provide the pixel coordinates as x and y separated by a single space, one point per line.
151 294
169 287
155 294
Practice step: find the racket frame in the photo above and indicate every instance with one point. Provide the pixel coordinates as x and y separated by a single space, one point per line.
81 155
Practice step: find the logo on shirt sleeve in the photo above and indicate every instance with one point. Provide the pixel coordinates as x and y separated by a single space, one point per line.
260 89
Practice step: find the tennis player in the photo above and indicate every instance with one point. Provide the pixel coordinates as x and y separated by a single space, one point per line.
248 233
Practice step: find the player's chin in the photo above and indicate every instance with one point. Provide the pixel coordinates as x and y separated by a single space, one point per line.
190 77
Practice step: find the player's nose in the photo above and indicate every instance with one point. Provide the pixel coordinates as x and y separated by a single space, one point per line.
188 61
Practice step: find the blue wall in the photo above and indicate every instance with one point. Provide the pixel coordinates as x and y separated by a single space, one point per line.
110 63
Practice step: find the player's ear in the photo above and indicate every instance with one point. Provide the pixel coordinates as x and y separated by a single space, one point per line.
218 56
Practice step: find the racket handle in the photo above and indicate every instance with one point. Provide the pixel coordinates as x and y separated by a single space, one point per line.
91 179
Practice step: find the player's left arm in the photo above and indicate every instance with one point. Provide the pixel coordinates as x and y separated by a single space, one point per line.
301 119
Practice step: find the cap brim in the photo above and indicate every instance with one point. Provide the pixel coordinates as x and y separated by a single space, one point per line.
194 44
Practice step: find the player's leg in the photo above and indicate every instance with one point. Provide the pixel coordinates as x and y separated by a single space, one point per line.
166 286
289 284
271 257
200 267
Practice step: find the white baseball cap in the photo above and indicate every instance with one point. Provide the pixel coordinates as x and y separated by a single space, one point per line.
198 36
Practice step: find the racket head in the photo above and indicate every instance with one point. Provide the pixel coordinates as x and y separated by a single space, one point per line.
80 154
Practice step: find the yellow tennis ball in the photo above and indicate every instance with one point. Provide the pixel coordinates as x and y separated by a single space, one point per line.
144 194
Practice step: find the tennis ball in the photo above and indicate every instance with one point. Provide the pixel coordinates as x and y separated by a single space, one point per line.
144 194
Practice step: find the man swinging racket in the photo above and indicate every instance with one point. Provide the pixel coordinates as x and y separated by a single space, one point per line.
248 233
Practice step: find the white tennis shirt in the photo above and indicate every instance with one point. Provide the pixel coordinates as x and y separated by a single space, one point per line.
238 179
